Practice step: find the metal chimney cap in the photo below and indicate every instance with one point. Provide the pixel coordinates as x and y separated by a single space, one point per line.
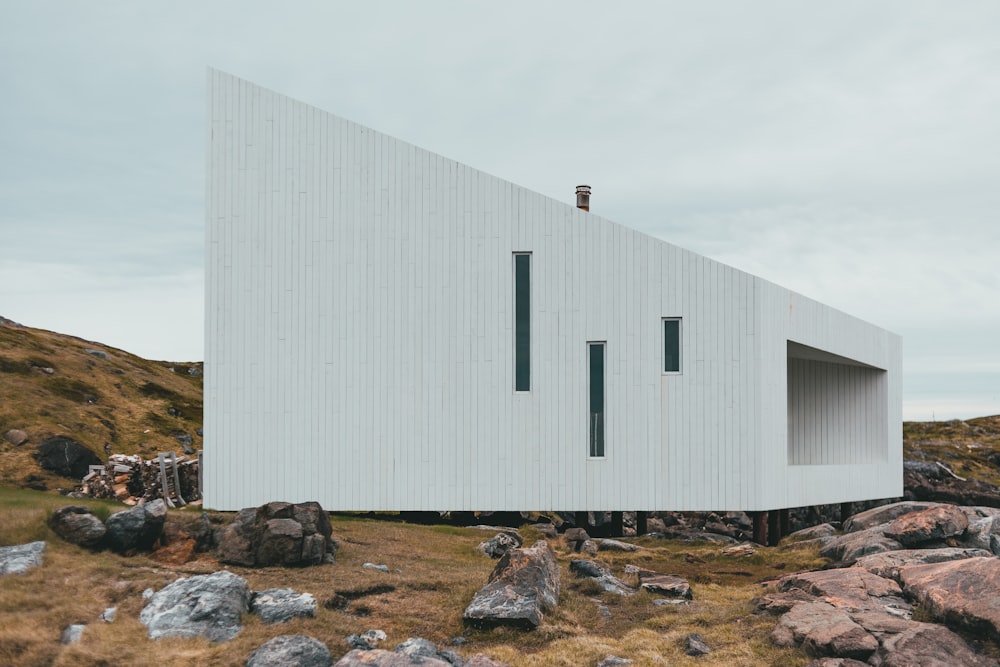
583 189
583 197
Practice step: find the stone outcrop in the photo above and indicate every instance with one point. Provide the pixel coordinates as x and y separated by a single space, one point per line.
933 523
523 585
20 558
278 533
77 525
291 651
960 593
930 644
823 629
208 606
883 514
280 605
887 564
603 576
499 544
137 528
849 547
65 456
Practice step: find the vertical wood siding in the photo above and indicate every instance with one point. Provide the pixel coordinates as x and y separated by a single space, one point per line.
359 339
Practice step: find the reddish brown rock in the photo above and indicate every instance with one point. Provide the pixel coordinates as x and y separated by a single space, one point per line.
961 593
929 645
524 584
850 588
665 584
887 564
935 523
883 514
822 629
852 546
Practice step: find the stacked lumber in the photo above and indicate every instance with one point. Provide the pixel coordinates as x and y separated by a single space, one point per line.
133 480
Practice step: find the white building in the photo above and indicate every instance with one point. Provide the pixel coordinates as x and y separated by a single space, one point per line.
388 329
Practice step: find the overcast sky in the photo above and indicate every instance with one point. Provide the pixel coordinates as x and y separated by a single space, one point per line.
849 151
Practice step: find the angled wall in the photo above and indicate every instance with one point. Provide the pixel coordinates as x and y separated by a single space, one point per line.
360 337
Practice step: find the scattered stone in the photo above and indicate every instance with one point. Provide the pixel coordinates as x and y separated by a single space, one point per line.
72 634
291 651
417 646
77 525
481 660
373 566
603 611
929 644
16 437
137 528
546 530
20 558
671 602
109 615
278 533
380 658
66 457
882 514
459 641
280 605
983 531
613 661
695 645
615 545
604 577
367 640
501 543
836 662
207 605
186 441
524 584
100 354
849 547
575 538
887 564
739 551
822 629
961 593
665 584
934 523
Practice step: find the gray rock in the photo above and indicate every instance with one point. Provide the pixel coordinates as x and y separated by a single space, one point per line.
524 584
481 660
109 615
665 584
822 629
695 645
604 577
20 558
884 514
613 661
280 605
208 605
934 523
16 437
852 546
671 602
373 566
291 651
72 634
366 640
813 532
417 646
186 441
66 457
278 533
380 658
499 544
982 532
546 530
616 545
575 538
929 645
100 354
137 528
77 525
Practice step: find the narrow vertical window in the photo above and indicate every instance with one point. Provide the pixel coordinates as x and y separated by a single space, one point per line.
596 354
522 321
671 345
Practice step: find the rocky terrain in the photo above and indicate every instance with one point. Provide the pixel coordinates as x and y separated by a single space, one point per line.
908 581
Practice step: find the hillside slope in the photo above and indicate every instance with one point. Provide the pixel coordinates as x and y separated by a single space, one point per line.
106 399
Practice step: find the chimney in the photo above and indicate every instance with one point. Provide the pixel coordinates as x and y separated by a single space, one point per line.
583 197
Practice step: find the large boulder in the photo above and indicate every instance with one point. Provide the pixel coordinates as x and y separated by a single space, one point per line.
20 558
137 528
278 533
930 645
65 456
883 514
280 605
207 605
933 523
851 588
849 547
523 585
887 564
77 525
961 593
823 629
291 651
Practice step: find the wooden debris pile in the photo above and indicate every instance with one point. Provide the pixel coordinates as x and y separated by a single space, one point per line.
131 479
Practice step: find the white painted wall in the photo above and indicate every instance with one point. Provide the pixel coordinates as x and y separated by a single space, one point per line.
359 343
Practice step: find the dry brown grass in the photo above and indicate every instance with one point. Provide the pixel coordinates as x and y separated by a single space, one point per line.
962 445
434 572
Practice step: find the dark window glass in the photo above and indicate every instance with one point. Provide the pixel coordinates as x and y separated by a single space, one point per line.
522 322
672 346
596 351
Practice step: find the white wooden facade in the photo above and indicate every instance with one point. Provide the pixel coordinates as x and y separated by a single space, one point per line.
360 344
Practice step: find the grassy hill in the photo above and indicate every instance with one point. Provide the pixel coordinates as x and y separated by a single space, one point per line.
106 399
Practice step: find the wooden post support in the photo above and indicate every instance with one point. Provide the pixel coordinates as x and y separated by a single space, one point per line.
845 511
785 523
582 520
759 527
641 523
773 529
